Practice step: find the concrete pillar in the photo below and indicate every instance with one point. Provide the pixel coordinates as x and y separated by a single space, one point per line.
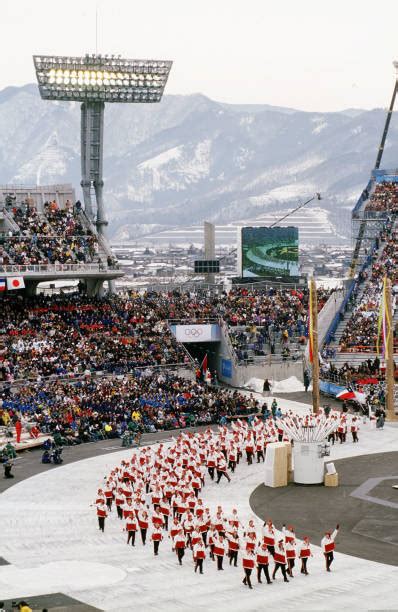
210 247
30 287
95 287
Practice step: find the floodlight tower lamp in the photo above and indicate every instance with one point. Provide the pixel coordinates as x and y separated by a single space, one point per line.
94 80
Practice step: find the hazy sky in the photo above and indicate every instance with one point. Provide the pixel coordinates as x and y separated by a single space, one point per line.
308 54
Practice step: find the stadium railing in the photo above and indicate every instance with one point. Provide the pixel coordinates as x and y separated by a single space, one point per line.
72 377
362 198
54 268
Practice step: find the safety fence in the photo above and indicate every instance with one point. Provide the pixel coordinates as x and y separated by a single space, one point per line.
109 371
62 269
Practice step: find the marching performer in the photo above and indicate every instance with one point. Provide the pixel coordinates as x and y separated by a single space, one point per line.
119 501
179 545
262 563
222 469
157 537
143 522
199 555
109 494
305 553
101 514
328 546
249 448
219 550
131 528
211 462
354 429
203 527
269 536
248 563
280 560
290 547
164 510
260 442
233 548
232 457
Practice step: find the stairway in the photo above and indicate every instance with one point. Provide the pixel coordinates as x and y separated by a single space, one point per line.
103 251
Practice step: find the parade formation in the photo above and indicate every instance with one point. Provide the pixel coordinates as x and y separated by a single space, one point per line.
157 497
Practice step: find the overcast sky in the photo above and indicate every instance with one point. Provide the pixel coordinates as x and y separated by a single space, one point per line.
307 54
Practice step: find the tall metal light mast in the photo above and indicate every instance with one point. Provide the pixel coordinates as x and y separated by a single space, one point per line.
388 119
94 80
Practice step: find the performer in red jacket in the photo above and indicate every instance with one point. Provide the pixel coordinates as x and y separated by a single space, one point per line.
101 514
157 537
219 547
131 528
233 548
199 555
328 546
280 560
305 553
222 470
262 562
143 522
248 562
179 545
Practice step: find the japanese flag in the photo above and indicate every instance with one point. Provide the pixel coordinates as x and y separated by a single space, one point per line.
15 282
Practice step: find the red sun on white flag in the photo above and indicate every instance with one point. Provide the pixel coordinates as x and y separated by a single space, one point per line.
15 282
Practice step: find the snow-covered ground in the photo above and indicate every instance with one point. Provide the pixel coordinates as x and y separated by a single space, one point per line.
49 534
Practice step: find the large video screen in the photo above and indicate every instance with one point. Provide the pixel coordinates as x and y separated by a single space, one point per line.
269 251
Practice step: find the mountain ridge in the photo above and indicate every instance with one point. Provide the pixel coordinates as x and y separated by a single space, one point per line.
191 158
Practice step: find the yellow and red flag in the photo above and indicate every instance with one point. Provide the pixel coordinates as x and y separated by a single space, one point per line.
384 327
310 327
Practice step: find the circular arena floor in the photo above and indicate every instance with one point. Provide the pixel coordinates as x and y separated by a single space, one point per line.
50 538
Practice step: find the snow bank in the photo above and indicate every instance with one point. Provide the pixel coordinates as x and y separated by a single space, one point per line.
289 385
254 384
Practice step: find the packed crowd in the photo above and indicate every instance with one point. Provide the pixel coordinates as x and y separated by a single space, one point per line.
348 373
268 322
115 406
55 236
70 335
361 331
384 198
158 495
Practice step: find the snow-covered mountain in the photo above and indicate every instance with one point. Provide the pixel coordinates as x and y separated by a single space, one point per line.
190 158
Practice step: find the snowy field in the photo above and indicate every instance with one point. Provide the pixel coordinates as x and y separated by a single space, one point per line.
50 536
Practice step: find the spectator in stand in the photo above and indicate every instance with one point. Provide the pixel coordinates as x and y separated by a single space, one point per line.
360 333
92 409
384 198
55 237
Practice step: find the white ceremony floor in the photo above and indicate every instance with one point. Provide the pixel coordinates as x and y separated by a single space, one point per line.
50 536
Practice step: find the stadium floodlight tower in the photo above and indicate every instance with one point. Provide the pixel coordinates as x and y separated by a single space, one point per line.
94 80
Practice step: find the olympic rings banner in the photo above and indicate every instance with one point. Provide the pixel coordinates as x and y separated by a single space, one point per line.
197 333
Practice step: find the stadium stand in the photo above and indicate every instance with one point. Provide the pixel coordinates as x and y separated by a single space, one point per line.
91 409
56 236
70 335
116 334
360 333
384 198
270 321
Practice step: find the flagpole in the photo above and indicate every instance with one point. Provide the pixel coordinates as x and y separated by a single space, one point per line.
389 343
315 348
